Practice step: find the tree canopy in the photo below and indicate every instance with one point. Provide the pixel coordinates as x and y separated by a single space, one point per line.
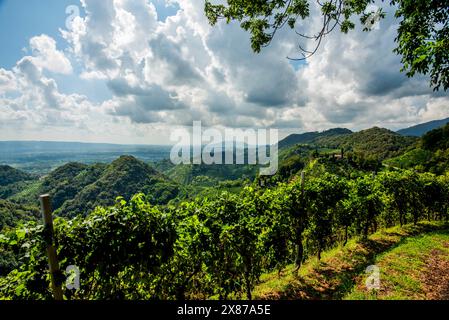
422 38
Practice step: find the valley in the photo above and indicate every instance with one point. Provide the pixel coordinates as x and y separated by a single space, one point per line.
184 227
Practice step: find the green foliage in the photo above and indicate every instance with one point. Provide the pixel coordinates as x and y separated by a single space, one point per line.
372 144
219 244
30 279
311 137
114 249
13 181
128 242
423 39
436 139
9 175
78 188
11 214
189 174
362 207
291 166
322 197
431 155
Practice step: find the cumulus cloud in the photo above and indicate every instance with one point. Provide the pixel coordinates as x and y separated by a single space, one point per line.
355 80
47 56
7 81
173 72
31 100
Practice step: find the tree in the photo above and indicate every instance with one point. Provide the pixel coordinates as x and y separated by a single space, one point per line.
422 39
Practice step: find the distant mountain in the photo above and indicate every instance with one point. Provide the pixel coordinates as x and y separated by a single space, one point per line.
311 137
376 143
42 157
421 129
13 147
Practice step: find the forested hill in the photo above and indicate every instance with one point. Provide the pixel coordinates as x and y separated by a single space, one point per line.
9 175
13 181
437 139
311 137
375 143
62 184
78 188
430 155
123 178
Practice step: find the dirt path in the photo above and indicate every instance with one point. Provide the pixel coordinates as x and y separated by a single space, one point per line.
436 276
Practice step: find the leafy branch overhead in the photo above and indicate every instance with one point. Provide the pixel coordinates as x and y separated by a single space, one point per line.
422 38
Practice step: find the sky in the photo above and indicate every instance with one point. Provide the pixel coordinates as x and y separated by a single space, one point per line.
133 71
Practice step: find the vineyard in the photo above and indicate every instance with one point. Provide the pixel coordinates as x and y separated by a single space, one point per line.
218 247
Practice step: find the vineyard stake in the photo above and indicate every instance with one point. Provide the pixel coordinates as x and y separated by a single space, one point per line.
303 181
55 273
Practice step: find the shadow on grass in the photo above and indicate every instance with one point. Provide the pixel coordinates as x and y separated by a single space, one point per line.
336 276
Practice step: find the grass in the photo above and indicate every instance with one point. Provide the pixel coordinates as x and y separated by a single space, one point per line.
405 270
341 271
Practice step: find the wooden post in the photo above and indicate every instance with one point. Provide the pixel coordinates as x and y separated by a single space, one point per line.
55 273
303 180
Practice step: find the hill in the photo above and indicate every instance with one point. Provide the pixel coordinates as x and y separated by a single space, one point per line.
431 154
124 177
10 175
375 143
13 181
437 139
421 129
188 174
311 137
63 184
77 188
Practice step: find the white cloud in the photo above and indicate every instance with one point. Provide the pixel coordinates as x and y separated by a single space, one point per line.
7 81
46 55
174 72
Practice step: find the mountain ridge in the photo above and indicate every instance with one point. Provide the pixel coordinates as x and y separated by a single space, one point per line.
310 137
421 129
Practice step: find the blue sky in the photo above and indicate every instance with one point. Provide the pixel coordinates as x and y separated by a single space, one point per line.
20 20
